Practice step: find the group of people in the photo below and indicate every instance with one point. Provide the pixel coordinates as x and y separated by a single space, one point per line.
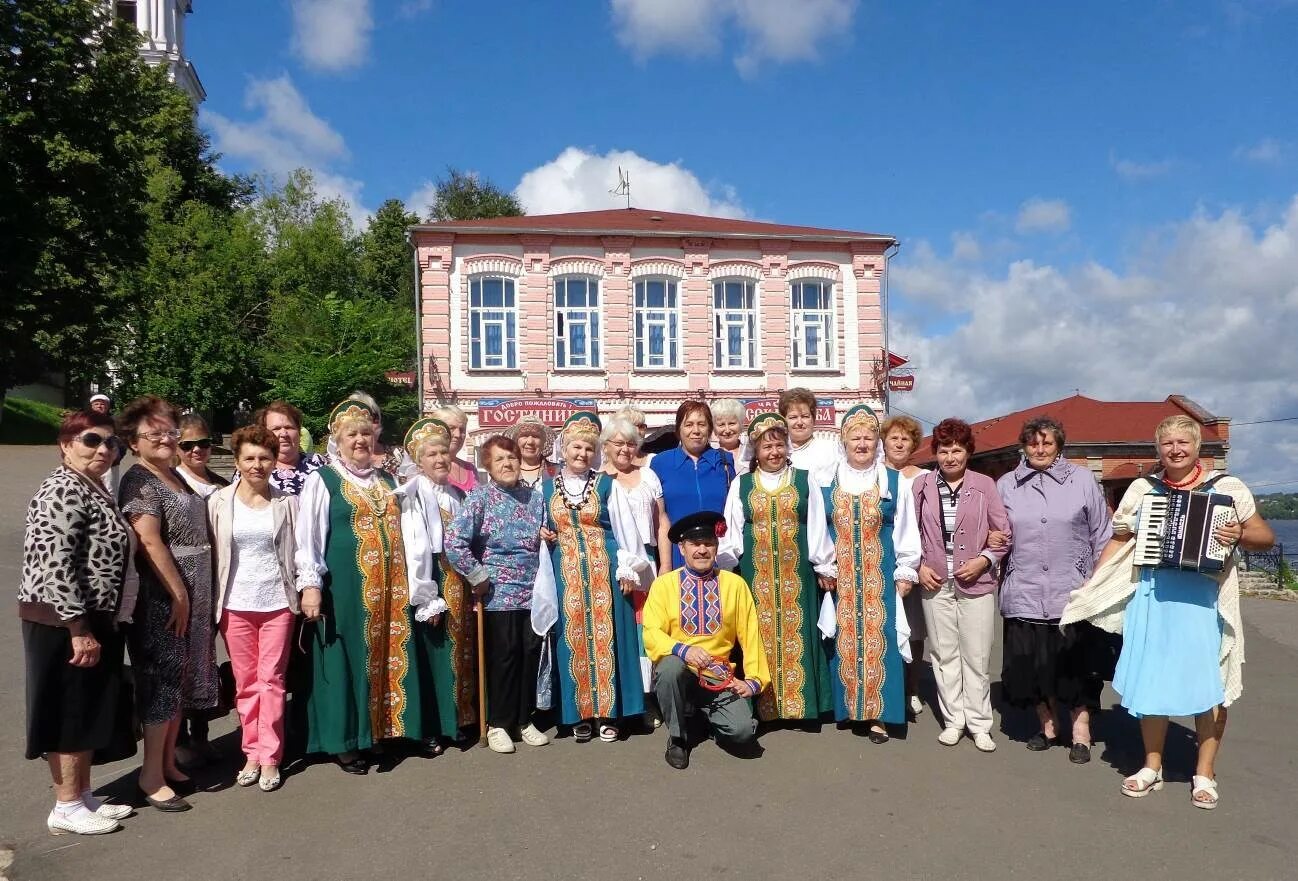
757 573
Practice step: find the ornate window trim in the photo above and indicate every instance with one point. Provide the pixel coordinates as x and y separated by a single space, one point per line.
815 270
657 267
493 264
589 266
745 269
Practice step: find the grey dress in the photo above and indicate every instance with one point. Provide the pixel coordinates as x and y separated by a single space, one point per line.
171 672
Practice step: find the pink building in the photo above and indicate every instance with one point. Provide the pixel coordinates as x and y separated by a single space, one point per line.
551 313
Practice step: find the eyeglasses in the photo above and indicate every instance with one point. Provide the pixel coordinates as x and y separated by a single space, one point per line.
203 443
157 437
93 440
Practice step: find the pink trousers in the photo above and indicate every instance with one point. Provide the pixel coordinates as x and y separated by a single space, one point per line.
258 643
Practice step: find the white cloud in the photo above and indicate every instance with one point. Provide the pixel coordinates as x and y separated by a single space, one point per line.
577 180
421 198
1206 310
1131 170
331 35
1267 151
286 134
414 8
1043 215
771 30
965 246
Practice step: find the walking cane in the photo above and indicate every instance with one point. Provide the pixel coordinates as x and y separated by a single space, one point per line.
482 681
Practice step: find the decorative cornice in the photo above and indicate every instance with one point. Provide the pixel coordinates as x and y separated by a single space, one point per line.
577 266
814 269
657 266
492 264
736 269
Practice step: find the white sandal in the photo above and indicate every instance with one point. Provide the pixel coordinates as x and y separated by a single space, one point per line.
1147 779
1205 785
248 778
581 732
608 734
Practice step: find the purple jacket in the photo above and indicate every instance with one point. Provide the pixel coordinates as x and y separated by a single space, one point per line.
1061 524
978 512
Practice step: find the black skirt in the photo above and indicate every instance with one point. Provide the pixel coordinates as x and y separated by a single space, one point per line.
76 709
1043 662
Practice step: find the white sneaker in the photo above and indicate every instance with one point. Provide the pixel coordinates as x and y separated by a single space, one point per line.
83 822
950 736
916 705
984 742
104 809
499 741
533 736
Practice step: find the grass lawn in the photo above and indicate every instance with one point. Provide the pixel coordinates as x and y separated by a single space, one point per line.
29 422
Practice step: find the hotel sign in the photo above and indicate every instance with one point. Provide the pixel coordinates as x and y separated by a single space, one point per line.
504 412
825 414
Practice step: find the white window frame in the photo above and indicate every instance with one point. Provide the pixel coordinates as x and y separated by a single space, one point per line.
747 321
800 317
663 317
566 317
499 318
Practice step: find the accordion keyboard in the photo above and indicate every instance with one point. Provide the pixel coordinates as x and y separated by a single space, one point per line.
1149 535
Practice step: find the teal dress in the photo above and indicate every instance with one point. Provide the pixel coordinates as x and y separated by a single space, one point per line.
865 669
597 643
1171 645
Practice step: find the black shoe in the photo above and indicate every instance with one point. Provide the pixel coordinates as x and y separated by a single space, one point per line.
678 757
1039 742
357 765
878 736
429 749
173 805
1080 754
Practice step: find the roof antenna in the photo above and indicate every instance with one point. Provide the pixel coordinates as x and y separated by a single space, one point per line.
623 185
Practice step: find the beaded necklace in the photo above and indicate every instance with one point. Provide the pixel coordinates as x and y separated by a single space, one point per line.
575 501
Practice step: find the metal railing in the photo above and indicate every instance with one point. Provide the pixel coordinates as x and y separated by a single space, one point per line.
1270 567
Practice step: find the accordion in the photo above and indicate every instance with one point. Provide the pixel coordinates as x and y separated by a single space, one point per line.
1175 530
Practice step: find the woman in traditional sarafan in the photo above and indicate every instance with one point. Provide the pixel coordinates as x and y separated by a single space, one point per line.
777 533
872 522
438 594
363 679
585 594
1182 633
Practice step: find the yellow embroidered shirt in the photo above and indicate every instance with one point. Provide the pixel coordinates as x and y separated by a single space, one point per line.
711 612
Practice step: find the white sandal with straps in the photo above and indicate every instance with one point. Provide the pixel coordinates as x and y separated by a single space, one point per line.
1147 780
1208 786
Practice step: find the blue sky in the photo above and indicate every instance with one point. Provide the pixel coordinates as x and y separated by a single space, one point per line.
1058 173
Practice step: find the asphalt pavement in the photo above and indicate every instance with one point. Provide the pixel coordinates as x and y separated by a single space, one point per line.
814 805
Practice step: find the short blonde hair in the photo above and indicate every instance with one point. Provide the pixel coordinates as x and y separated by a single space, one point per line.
906 424
450 413
436 438
1179 423
728 408
620 427
632 414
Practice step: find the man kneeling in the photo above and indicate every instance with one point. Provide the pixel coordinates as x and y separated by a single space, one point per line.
692 619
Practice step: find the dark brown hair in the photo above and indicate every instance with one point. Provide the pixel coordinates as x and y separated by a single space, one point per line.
495 442
951 432
283 408
691 408
193 420
792 396
143 407
257 435
1042 425
75 422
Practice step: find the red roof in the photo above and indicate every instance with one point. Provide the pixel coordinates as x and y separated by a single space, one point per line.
1088 421
646 222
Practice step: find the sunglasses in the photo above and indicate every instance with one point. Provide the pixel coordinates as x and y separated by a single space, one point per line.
92 440
203 443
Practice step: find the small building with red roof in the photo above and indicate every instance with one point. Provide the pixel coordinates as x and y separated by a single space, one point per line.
546 314
1114 439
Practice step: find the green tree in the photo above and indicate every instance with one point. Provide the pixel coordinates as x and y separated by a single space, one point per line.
387 269
93 146
465 196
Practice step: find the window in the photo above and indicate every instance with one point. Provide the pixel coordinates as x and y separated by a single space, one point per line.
126 11
813 325
734 319
493 324
657 325
576 322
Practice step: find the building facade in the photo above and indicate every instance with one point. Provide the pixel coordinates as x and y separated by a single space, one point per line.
1114 439
551 313
162 24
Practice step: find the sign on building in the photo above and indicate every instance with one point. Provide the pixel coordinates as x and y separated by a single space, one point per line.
504 412
901 382
825 414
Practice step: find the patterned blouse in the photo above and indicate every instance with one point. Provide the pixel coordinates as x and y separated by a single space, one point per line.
291 480
496 538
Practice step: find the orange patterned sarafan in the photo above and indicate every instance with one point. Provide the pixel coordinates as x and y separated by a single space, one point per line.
777 590
587 604
860 612
462 633
381 562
